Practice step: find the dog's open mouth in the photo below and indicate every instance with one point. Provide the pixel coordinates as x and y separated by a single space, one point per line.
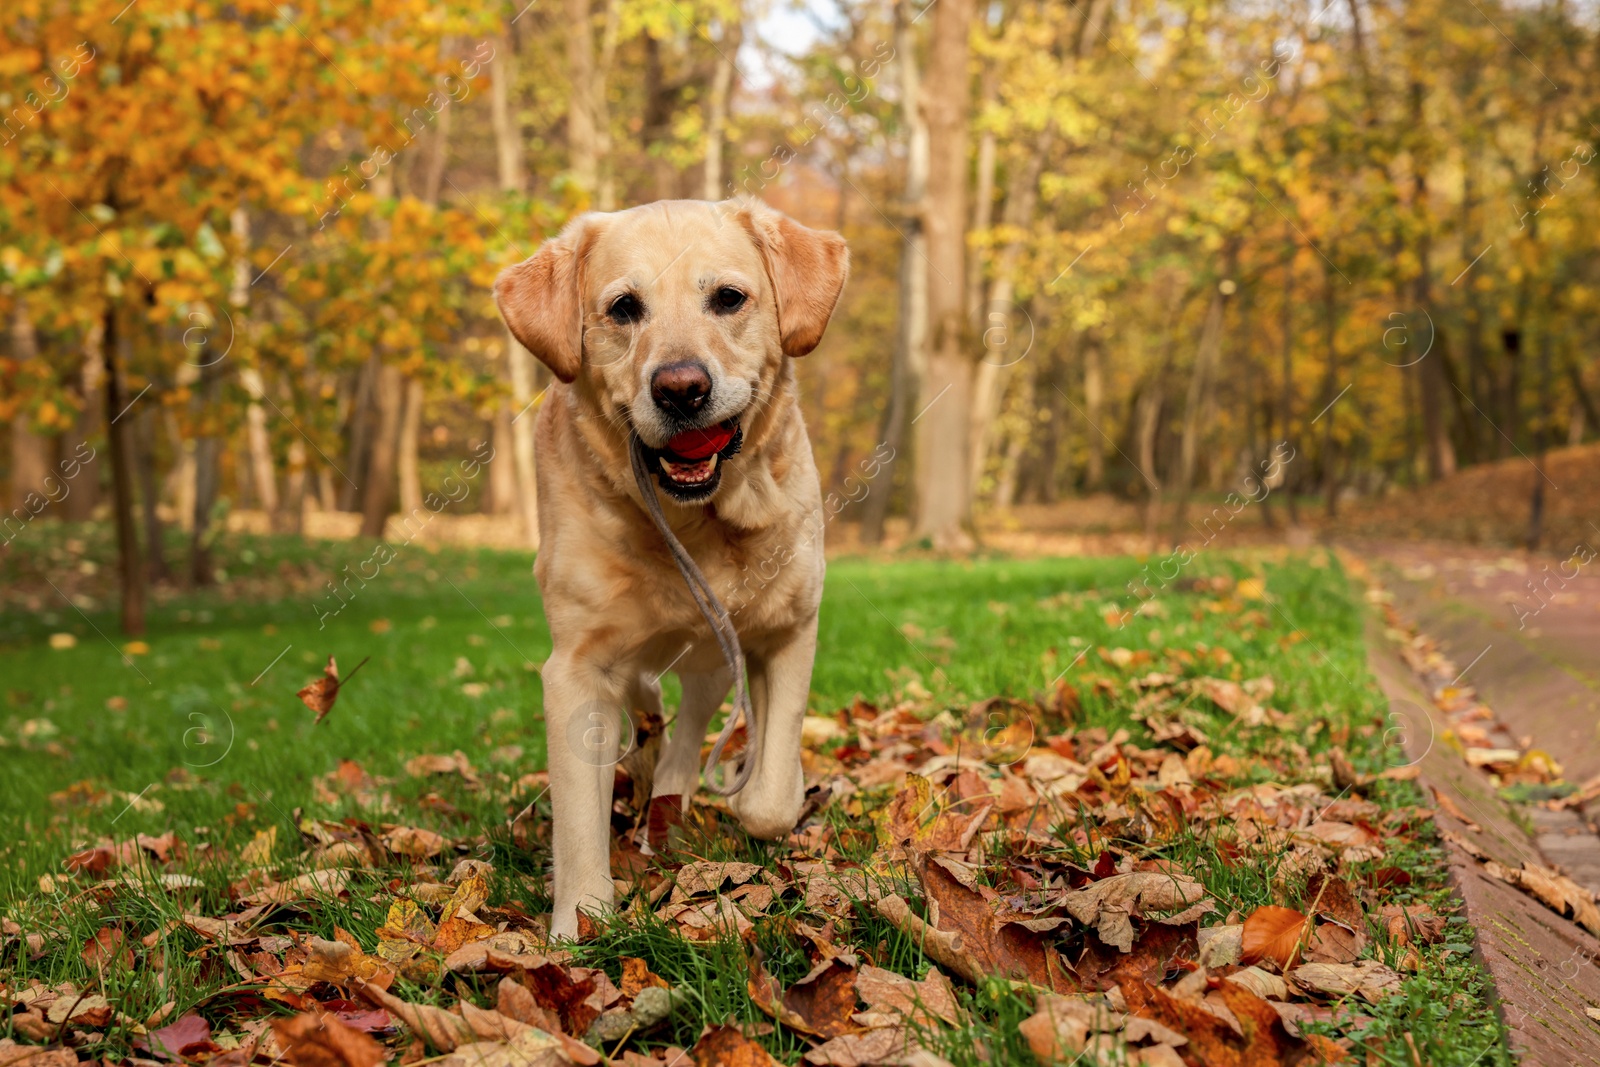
689 466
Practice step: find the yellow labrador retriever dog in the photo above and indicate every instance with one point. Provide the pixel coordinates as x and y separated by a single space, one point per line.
674 323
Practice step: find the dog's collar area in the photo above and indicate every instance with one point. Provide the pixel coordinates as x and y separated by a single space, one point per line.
693 478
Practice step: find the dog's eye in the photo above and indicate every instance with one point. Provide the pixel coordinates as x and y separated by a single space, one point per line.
727 300
625 309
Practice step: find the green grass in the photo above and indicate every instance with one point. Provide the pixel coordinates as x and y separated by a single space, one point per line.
206 724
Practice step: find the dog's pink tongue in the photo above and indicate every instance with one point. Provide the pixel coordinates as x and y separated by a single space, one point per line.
699 444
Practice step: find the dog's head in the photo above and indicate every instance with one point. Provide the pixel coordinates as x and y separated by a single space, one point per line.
676 317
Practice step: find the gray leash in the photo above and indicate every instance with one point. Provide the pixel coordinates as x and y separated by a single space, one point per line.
721 624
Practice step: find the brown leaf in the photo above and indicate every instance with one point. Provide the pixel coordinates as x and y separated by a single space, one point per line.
824 999
15 1055
320 694
413 842
919 817
515 1002
1328 894
339 962
636 975
190 1033
1412 922
886 992
1061 1029
1334 943
439 1028
1369 978
887 1044
1273 933
989 944
1260 1041
725 1046
106 949
315 1040
1558 892
1110 904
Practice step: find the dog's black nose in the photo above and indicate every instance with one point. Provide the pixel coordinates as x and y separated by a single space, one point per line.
680 388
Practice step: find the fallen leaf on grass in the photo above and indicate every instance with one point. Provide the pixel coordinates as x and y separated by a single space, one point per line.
885 992
1110 904
826 997
320 695
1371 979
341 962
1412 922
177 1040
820 1004
964 933
1273 933
704 876
15 1055
305 887
312 1040
725 1046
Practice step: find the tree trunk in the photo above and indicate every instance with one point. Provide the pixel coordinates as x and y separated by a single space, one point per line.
910 357
1147 419
378 496
144 438
259 445
944 505
294 493
85 494
1286 400
129 564
995 319
583 156
30 451
437 158
1330 392
983 195
508 144
1093 399
1195 402
410 431
717 108
359 424
507 135
502 474
207 477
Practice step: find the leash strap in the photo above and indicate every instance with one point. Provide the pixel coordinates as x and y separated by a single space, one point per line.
721 624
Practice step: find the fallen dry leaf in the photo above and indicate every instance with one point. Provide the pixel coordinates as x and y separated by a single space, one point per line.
315 1040
320 695
1554 889
1369 978
1275 934
725 1046
886 992
1110 904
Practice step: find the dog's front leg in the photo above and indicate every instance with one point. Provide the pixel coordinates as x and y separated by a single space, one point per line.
583 725
678 771
780 682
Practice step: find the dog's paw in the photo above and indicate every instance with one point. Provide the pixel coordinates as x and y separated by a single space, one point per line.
770 816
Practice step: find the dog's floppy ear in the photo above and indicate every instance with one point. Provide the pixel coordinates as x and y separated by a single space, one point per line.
540 301
808 270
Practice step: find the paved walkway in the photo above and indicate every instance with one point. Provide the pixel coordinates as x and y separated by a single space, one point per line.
1539 669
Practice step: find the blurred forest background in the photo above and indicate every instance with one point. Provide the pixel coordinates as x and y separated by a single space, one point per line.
1306 251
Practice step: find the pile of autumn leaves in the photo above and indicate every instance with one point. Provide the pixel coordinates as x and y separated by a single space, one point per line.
1005 854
